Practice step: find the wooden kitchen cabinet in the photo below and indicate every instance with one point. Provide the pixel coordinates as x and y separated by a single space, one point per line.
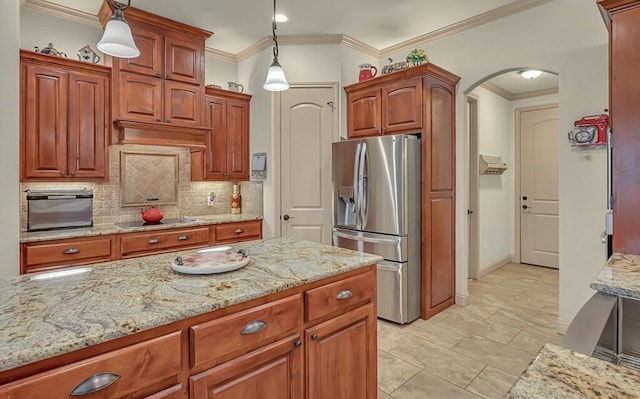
387 108
163 88
229 233
419 100
226 156
342 356
54 254
159 241
65 118
623 20
143 367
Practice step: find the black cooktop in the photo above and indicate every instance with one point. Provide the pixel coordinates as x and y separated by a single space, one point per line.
142 223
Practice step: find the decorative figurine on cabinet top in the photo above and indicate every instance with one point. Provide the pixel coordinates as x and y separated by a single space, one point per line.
50 50
416 57
87 54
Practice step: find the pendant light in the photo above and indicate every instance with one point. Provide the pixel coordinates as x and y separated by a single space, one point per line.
117 40
276 81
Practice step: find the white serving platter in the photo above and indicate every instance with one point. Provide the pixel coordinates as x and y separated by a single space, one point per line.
210 261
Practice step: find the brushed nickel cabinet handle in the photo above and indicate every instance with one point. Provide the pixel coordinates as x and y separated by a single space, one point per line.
239 231
253 327
94 383
298 343
183 237
154 241
344 294
73 174
63 173
314 337
71 251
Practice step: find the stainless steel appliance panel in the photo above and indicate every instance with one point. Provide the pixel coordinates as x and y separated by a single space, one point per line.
344 156
392 248
398 292
59 209
389 183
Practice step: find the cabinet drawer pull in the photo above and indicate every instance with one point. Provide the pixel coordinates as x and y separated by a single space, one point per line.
253 327
239 231
345 294
183 237
154 241
95 383
71 251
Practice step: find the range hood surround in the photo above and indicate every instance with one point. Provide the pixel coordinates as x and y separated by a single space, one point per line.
146 133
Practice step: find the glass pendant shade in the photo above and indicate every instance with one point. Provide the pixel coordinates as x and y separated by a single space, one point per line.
117 40
276 81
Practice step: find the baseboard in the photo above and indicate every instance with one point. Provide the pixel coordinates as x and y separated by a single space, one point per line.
463 299
494 266
563 326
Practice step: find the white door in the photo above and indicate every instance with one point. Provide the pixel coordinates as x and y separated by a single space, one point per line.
307 123
539 243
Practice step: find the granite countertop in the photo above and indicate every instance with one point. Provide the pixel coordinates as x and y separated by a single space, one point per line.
563 374
45 318
620 276
106 229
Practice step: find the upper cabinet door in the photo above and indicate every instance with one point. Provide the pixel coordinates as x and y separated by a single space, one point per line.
184 60
215 154
363 113
44 122
183 103
402 107
140 98
237 139
88 125
150 60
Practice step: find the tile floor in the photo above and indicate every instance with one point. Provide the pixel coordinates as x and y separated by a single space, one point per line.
477 351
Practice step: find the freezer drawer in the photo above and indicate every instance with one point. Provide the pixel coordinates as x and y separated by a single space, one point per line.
398 296
393 248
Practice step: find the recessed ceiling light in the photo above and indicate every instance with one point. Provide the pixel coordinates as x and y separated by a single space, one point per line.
530 73
281 18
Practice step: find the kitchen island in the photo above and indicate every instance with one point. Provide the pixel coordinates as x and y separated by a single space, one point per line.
180 330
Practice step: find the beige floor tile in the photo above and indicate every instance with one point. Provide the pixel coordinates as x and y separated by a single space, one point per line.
539 323
391 335
472 325
532 342
502 357
424 385
492 383
436 331
393 372
507 299
382 395
444 363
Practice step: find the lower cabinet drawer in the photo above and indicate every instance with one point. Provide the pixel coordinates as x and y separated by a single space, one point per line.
41 256
112 375
244 330
329 298
136 244
233 232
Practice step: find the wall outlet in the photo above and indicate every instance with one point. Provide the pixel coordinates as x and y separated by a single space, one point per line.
210 198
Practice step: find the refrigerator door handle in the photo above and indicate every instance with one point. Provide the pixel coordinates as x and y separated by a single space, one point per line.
393 241
609 168
361 183
365 185
356 172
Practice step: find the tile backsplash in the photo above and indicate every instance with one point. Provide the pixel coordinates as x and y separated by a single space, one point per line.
192 196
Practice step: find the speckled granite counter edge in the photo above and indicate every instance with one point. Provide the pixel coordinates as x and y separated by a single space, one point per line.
620 276
106 229
563 374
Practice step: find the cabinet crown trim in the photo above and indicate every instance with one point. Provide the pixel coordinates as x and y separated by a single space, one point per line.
426 68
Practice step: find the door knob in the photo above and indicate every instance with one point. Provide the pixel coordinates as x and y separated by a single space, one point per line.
287 217
525 207
524 198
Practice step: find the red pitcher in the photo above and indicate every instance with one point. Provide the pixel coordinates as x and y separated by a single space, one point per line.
367 71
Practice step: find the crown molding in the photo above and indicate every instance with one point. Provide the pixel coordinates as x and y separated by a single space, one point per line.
56 10
356 44
254 49
509 96
469 23
219 54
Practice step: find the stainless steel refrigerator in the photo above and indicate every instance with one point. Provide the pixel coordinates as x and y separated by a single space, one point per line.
376 198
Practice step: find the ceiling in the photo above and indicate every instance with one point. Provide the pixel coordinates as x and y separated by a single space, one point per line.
512 86
380 24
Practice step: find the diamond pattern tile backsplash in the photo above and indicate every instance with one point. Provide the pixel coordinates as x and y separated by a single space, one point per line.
192 196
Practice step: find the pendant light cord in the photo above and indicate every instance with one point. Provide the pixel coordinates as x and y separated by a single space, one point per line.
275 37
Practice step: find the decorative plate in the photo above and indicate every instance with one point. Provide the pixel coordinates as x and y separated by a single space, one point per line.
210 261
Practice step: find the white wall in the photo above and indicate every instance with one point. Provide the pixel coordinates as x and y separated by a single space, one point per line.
9 137
496 192
567 37
220 72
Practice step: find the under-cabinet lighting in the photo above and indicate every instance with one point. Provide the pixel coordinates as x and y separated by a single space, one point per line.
60 273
